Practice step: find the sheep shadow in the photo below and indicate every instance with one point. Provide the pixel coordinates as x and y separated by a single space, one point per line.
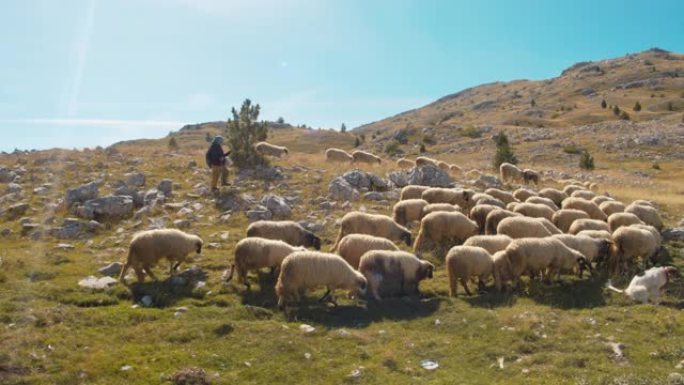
262 293
169 291
568 294
491 298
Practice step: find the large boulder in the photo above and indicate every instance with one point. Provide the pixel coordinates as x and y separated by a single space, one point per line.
259 213
277 206
81 194
340 189
111 207
425 176
260 172
16 211
135 194
231 199
13 188
6 175
365 180
71 229
166 187
136 179
675 234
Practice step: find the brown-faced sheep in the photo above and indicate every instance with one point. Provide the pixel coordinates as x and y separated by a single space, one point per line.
432 207
365 157
510 172
531 176
523 227
612 207
409 210
461 197
148 247
444 226
555 195
504 196
256 253
393 272
412 191
266 148
564 218
287 231
303 270
357 222
491 243
543 201
479 214
423 161
405 163
588 207
587 224
338 155
496 216
617 220
534 210
353 246
464 262
647 214
522 194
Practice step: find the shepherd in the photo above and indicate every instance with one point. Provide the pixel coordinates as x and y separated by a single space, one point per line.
218 161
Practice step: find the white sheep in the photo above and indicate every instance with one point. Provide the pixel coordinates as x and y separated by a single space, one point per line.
496 216
504 196
303 270
648 214
539 255
385 270
338 155
405 163
412 191
464 262
148 247
357 222
408 210
485 199
423 161
287 231
432 207
534 210
461 197
564 218
571 188
256 253
511 206
266 148
522 194
510 172
443 226
557 196
365 157
523 227
491 243
353 246
543 201
601 198
473 174
612 207
479 214
598 234
632 242
584 194
444 166
594 249
587 224
588 207
618 220
455 169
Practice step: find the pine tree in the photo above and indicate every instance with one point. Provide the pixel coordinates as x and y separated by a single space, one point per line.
343 128
173 144
280 120
504 152
637 106
604 104
586 161
422 148
533 103
357 142
243 132
616 110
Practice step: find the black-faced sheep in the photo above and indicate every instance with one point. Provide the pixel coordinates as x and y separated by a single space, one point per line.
464 262
365 157
442 226
287 231
338 155
408 210
594 249
358 222
148 247
588 207
303 270
256 253
353 246
393 272
266 148
564 218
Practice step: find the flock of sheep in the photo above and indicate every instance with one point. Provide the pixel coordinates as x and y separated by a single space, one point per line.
492 233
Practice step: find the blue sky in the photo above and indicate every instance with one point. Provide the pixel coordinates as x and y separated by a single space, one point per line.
78 73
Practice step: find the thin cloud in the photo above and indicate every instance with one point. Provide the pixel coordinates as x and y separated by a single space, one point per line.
121 123
81 56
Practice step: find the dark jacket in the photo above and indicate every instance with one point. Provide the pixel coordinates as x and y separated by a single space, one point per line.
215 155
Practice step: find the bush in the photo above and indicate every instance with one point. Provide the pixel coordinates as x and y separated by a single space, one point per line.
422 148
243 132
604 104
586 161
655 165
504 153
173 144
343 128
471 132
616 110
401 136
533 103
280 120
392 147
357 142
572 149
624 115
427 139
637 107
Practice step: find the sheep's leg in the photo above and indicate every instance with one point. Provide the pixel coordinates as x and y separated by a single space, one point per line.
139 273
327 293
464 282
481 286
174 267
149 272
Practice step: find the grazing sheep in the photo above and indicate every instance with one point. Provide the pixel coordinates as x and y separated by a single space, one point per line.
486 199
632 242
556 196
617 220
523 227
408 210
594 187
288 231
479 214
464 262
303 270
571 188
601 198
593 249
405 163
564 218
383 269
148 247
432 207
539 255
266 148
585 194
455 169
473 174
502 270
496 216
531 176
365 157
543 201
444 166
510 172
423 161
648 286
491 243
461 197
357 222
647 214
412 191
511 206
534 210
588 207
338 155
612 207
504 196
444 226
353 246
549 226
652 230
256 253
643 202
587 224
522 194
597 234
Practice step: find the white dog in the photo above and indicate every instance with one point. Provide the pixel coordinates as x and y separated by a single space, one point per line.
647 286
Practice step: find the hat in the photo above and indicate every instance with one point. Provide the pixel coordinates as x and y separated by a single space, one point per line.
218 139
